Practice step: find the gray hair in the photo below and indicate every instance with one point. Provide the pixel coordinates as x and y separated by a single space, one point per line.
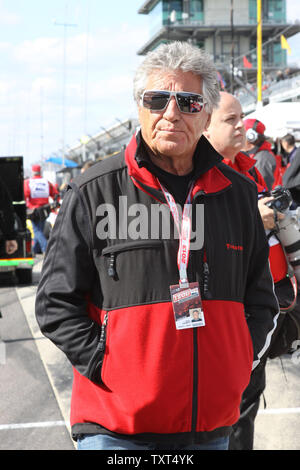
186 57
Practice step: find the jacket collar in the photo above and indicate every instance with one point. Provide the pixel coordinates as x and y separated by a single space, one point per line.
242 163
207 176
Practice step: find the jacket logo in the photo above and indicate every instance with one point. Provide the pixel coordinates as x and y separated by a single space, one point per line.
229 246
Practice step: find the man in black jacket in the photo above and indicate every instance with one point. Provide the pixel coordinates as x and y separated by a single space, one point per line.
288 144
227 134
291 176
7 221
141 240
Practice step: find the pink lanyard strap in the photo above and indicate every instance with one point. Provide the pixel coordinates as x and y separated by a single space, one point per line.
184 230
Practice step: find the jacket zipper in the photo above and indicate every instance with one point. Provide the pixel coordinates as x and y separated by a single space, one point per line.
195 399
195 394
102 342
96 369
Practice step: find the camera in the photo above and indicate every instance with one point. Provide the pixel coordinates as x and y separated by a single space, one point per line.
288 229
282 199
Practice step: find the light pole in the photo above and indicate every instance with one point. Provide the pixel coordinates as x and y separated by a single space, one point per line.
65 26
259 55
232 46
86 71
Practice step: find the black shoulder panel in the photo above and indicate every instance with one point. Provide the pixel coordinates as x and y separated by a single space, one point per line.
109 165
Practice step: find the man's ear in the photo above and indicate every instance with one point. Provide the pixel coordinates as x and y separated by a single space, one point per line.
207 123
206 132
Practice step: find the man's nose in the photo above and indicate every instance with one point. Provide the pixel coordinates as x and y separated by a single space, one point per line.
240 123
172 111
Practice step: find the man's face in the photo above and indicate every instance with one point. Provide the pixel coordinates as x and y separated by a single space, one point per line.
170 132
226 131
284 145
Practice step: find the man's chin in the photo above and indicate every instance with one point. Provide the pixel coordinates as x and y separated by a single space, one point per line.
170 148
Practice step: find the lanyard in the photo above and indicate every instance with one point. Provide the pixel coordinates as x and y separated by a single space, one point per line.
184 230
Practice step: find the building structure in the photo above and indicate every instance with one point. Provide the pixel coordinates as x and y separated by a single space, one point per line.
226 29
103 144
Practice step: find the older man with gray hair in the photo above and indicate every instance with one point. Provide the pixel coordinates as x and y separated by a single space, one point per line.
117 289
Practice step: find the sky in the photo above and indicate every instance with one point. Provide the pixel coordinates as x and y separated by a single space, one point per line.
67 68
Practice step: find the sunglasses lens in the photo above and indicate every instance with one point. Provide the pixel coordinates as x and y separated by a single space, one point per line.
190 102
154 100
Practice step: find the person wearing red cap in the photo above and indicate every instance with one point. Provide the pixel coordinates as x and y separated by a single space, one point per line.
227 134
37 191
258 148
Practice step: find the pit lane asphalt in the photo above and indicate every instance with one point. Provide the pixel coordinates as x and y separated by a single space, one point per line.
36 381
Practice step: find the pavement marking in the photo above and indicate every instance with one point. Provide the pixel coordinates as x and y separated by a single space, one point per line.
278 411
44 424
26 296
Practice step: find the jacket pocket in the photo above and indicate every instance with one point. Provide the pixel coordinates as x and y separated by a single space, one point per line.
131 272
111 252
95 371
136 383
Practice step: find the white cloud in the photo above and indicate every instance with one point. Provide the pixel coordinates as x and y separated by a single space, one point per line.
6 87
293 10
45 89
5 46
32 100
114 86
8 18
39 52
102 45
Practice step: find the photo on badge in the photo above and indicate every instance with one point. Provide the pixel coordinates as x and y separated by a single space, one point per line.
187 306
197 316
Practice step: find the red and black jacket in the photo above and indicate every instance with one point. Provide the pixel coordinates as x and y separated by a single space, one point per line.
246 166
106 302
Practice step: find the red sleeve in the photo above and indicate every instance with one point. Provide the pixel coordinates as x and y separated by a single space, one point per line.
53 191
261 184
26 189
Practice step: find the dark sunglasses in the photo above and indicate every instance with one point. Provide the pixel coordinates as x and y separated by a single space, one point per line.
158 100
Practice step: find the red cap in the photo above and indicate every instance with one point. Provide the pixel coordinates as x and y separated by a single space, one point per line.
254 124
36 168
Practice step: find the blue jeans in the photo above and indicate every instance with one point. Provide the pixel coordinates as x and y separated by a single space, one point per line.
39 237
104 442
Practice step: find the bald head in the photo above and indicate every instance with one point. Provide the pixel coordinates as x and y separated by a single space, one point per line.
226 131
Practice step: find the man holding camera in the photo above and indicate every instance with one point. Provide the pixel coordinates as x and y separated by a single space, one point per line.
227 135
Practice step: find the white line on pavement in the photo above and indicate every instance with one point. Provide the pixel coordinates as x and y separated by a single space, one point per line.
44 424
279 411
